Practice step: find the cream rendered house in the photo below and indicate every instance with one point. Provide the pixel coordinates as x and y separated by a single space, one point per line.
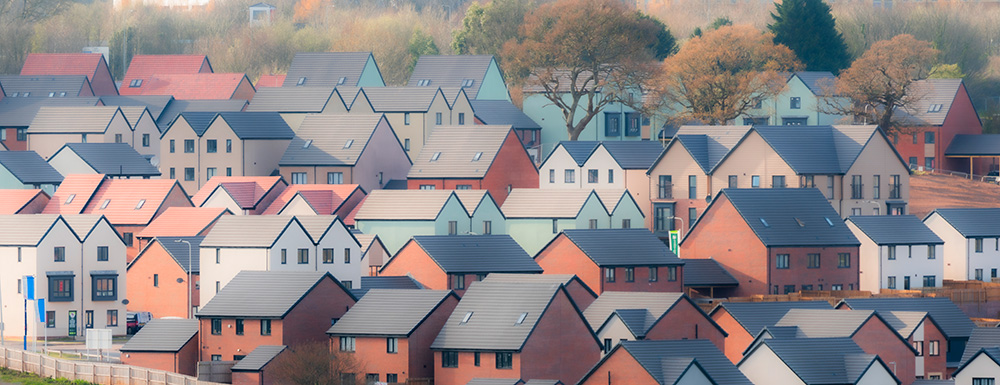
145 133
55 126
295 103
806 361
413 112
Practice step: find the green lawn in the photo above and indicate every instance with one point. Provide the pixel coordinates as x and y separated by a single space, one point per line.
8 376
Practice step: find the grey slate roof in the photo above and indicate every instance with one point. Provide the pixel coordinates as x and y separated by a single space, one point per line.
327 136
822 360
579 150
974 145
817 149
291 99
154 103
45 86
928 92
176 107
972 222
256 231
257 125
816 80
706 272
179 251
162 335
19 112
895 230
495 308
29 168
503 112
386 282
456 148
623 247
82 224
754 316
72 120
634 155
905 322
708 145
262 294
651 354
389 312
819 323
790 217
112 159
477 254
326 68
198 121
25 230
953 322
980 338
399 99
451 70
259 358
638 310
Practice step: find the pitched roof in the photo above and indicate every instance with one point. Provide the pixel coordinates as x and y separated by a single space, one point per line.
554 203
980 338
400 99
932 101
708 145
476 254
82 224
257 231
112 159
176 107
330 140
819 323
73 194
162 335
29 168
326 68
20 112
198 120
634 155
317 226
972 222
579 150
25 230
992 353
291 99
62 64
129 201
200 86
247 191
895 229
389 312
822 360
817 149
259 358
325 199
147 66
638 310
269 81
50 86
156 104
654 356
622 247
953 322
384 282
754 316
62 120
790 217
403 204
974 145
133 114
12 201
502 112
178 250
263 294
257 125
492 311
459 151
183 222
905 322
706 272
471 199
451 71
816 81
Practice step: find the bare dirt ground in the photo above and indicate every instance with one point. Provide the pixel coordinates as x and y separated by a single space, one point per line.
929 192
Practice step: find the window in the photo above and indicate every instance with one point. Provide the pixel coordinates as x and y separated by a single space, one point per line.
327 255
593 224
458 282
979 245
229 145
913 161
919 347
663 217
795 103
505 360
626 223
102 253
135 83
928 137
145 140
629 274
487 227
611 176
426 187
876 187
666 187
239 327
692 216
929 162
105 288
347 255
934 348
552 175
50 319
895 187
843 260
461 118
334 178
609 274
692 187
755 181
406 118
391 345
813 261
173 174
189 173
931 250
777 181
218 286
303 256
216 357
856 211
156 280
211 146
189 146
301 81
930 281
789 289
569 176
118 138
284 256
672 273
216 326
612 124
979 274
61 289
299 178
449 359
406 144
476 359
914 138
452 227
22 134
347 344
172 146
592 176
209 173
265 327
782 262
437 118
890 283
391 378
632 126
555 226
654 274
856 187
892 252
218 256
733 181
371 378
807 181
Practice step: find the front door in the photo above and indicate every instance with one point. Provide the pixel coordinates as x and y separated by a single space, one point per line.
906 283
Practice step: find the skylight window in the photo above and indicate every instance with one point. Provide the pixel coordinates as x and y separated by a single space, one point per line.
105 204
139 205
62 94
135 83
800 222
764 222
26 94
349 143
935 108
51 94
342 80
520 319
467 83
307 143
475 158
423 82
435 157
467 317
14 95
70 198
302 81
828 221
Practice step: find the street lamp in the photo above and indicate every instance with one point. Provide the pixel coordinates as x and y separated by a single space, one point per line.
190 265
680 219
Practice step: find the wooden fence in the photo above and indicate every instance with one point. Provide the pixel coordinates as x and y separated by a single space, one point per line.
96 372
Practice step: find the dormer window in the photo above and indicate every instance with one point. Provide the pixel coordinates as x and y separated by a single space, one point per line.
139 205
342 80
301 81
105 204
475 158
135 83
349 143
467 317
521 318
424 82
307 143
70 198
467 83
435 157
935 108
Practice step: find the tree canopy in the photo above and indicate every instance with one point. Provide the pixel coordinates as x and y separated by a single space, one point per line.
486 28
808 29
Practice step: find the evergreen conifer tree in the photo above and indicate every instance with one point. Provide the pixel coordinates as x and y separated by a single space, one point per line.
808 28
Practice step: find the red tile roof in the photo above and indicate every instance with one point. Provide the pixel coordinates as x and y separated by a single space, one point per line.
123 197
12 201
270 81
62 64
80 186
247 191
183 222
190 86
325 199
146 66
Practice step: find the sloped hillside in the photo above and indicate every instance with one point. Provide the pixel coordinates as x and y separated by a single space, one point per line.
928 192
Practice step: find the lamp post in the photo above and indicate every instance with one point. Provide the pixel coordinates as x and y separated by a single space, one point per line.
189 266
680 219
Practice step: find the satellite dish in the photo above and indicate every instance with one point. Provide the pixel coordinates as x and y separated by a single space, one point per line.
124 302
180 280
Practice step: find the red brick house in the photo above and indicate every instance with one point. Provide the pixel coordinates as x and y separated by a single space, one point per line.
20 201
270 308
943 110
92 65
618 316
776 241
253 369
477 157
242 195
164 344
614 260
742 321
144 67
453 262
390 332
526 330
163 275
925 335
317 199
646 363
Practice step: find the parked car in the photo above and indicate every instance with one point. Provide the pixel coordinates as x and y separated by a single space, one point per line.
992 177
136 320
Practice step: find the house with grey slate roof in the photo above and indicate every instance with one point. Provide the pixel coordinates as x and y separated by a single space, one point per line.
46 86
810 361
116 160
982 368
800 102
674 362
414 112
897 252
618 316
295 103
743 321
324 69
164 344
53 127
161 278
16 115
942 113
478 75
971 241
252 369
503 112
27 170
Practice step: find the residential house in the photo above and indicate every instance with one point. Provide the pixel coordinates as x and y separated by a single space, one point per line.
52 86
454 262
579 293
954 324
509 329
484 212
53 127
473 157
504 113
397 215
352 149
801 102
164 278
624 259
92 65
897 247
253 369
982 348
478 75
967 234
925 335
23 201
78 265
296 103
114 160
27 170
743 321
181 222
317 199
387 283
389 332
129 204
144 68
413 112
536 216
177 107
374 252
941 110
241 195
16 114
706 278
319 69
164 344
269 81
619 316
810 361
223 144
154 104
199 86
674 362
288 308
145 132
789 240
